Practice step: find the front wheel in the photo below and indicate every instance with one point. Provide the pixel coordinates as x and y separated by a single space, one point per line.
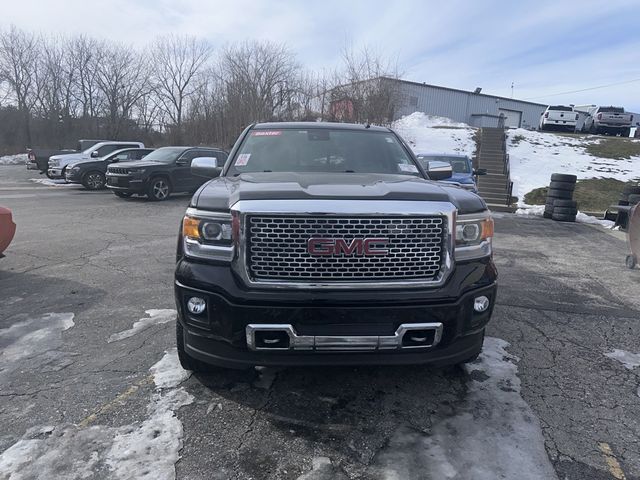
94 181
475 356
631 261
187 361
159 189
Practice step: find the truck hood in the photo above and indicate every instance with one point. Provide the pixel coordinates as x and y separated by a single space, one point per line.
70 157
223 192
138 164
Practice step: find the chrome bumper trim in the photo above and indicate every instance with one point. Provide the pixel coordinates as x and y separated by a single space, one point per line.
343 343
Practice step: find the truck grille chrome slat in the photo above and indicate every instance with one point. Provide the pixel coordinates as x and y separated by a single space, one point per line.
278 248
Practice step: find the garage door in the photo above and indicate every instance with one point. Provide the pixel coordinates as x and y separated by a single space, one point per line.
513 117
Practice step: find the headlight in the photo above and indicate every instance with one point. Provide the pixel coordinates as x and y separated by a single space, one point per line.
54 163
138 171
207 235
75 169
473 237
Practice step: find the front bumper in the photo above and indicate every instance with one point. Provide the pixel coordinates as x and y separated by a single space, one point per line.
55 172
72 177
126 184
220 336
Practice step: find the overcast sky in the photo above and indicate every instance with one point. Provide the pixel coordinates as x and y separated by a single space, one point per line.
543 47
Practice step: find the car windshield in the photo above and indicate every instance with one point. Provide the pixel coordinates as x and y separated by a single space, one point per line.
165 155
322 150
458 164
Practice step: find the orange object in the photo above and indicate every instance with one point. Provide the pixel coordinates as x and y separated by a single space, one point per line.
7 229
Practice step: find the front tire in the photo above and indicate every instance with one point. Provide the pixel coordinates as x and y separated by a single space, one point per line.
475 356
94 181
159 189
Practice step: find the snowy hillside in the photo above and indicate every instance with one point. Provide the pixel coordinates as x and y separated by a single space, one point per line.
429 134
534 156
19 159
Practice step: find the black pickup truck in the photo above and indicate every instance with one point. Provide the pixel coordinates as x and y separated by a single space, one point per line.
324 244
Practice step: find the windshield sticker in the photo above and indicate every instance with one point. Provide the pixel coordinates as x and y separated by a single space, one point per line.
388 139
266 133
242 159
405 167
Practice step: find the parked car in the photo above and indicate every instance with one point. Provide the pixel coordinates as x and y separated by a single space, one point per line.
38 158
7 229
92 173
608 120
164 171
464 175
58 163
559 117
328 244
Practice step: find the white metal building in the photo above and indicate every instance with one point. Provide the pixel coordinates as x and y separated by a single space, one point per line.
476 109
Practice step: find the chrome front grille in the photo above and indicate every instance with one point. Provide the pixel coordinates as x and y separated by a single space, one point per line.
278 249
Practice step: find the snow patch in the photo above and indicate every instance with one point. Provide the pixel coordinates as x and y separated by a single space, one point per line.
492 434
156 317
538 210
36 339
19 159
418 129
168 373
54 182
628 359
143 450
534 156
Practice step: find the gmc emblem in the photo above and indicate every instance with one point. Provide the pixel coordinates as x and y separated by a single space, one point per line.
340 246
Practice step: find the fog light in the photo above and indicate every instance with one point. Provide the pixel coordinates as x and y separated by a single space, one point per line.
196 305
480 304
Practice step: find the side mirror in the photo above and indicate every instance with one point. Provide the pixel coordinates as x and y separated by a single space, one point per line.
480 171
95 154
439 170
206 167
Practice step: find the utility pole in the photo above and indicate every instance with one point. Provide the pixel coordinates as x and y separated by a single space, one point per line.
511 89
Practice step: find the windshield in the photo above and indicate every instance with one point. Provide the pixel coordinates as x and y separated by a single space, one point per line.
165 155
458 164
322 150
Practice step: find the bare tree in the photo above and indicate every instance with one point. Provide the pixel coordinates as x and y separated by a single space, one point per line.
365 90
177 62
19 56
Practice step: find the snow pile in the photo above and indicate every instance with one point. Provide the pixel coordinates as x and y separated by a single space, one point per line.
534 156
538 210
492 434
168 373
156 317
19 159
144 450
418 130
54 182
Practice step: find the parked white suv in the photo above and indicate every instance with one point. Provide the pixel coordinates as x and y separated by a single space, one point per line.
558 117
58 163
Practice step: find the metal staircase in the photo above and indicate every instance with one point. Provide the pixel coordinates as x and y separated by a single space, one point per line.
494 187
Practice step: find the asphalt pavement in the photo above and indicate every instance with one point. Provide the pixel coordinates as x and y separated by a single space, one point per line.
87 309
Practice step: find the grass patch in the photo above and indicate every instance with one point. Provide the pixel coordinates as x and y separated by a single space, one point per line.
517 139
593 194
616 148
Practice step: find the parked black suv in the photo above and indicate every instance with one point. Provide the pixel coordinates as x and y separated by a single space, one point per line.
92 173
323 243
164 171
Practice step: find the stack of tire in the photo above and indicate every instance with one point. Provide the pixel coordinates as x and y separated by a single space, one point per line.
560 205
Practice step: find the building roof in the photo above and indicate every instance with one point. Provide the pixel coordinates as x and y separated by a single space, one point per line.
463 91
